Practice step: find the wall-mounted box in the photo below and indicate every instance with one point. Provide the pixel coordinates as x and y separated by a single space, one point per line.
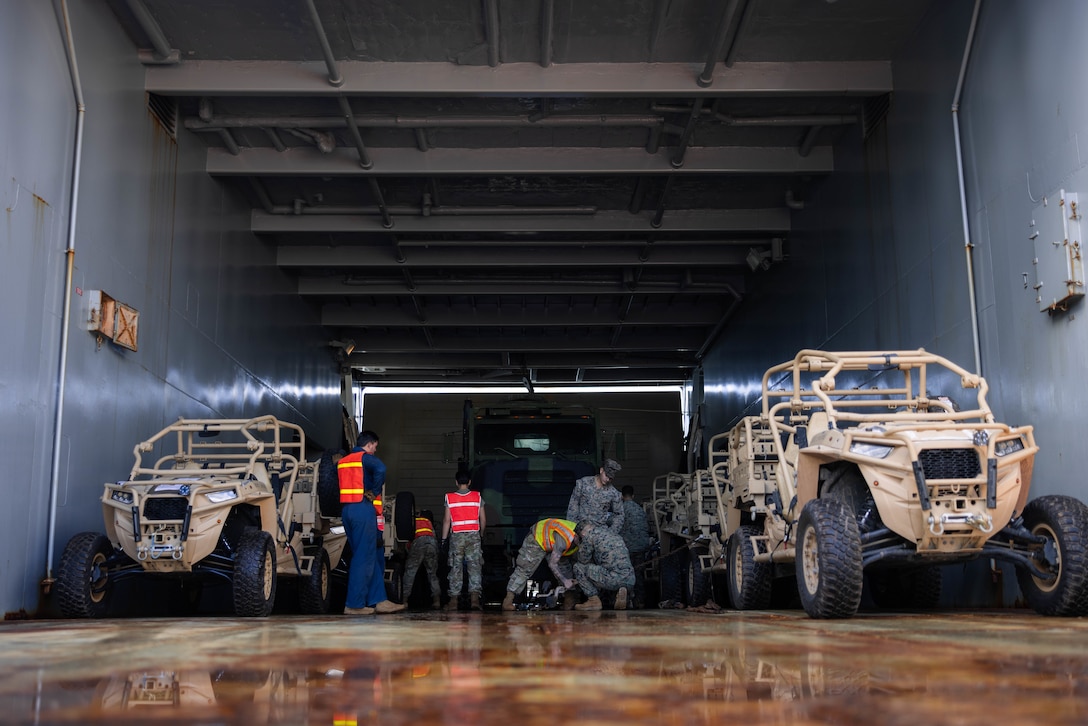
1059 269
112 319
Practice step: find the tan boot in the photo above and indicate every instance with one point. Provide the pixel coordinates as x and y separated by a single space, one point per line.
451 606
436 602
621 599
388 606
593 603
474 597
508 602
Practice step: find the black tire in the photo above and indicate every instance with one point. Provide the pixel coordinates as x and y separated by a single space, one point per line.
394 587
255 574
749 581
328 484
672 569
315 590
1064 523
916 588
404 517
83 584
829 567
696 580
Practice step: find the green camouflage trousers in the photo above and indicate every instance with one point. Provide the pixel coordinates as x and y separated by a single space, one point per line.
465 551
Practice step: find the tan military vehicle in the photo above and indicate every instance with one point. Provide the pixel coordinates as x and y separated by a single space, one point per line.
229 499
855 469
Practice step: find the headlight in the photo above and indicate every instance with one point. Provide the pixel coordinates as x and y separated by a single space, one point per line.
1008 446
119 496
223 496
875 451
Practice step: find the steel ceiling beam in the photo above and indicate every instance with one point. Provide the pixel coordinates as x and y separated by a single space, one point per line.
305 161
743 221
373 257
599 287
533 316
634 80
443 340
541 361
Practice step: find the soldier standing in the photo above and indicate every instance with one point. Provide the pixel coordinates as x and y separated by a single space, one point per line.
463 524
636 536
423 550
596 500
555 538
603 564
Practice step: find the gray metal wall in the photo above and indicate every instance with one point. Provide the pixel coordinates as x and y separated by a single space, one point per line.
218 330
877 257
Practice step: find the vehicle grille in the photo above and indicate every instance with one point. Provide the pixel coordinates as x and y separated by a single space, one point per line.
165 508
950 463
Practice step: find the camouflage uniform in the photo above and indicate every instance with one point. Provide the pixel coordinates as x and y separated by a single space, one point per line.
603 562
599 505
465 548
531 555
636 536
422 551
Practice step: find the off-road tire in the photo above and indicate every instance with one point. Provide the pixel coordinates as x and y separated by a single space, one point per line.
315 590
254 574
696 581
672 569
1064 522
328 484
404 517
83 587
829 567
749 581
917 588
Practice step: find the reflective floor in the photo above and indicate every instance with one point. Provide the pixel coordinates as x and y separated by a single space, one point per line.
548 667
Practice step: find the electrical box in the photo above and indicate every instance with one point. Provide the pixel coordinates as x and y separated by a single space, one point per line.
1059 269
112 319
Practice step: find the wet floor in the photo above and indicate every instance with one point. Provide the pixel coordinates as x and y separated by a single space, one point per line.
549 667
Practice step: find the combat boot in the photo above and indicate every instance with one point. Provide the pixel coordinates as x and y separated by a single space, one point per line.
436 603
474 598
451 606
508 602
593 603
621 599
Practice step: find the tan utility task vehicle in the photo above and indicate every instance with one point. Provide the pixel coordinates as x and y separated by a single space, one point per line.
229 499
854 468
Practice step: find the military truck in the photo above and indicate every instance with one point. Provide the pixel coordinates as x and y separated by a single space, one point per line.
856 468
222 499
524 457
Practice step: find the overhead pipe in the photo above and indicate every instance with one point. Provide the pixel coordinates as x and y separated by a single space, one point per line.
742 25
677 160
792 202
356 137
277 142
706 78
151 29
660 213
809 141
66 311
491 28
547 27
967 246
383 210
717 331
810 120
335 79
229 142
262 194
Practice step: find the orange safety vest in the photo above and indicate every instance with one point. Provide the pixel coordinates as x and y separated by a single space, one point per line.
464 511
549 532
424 527
349 471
